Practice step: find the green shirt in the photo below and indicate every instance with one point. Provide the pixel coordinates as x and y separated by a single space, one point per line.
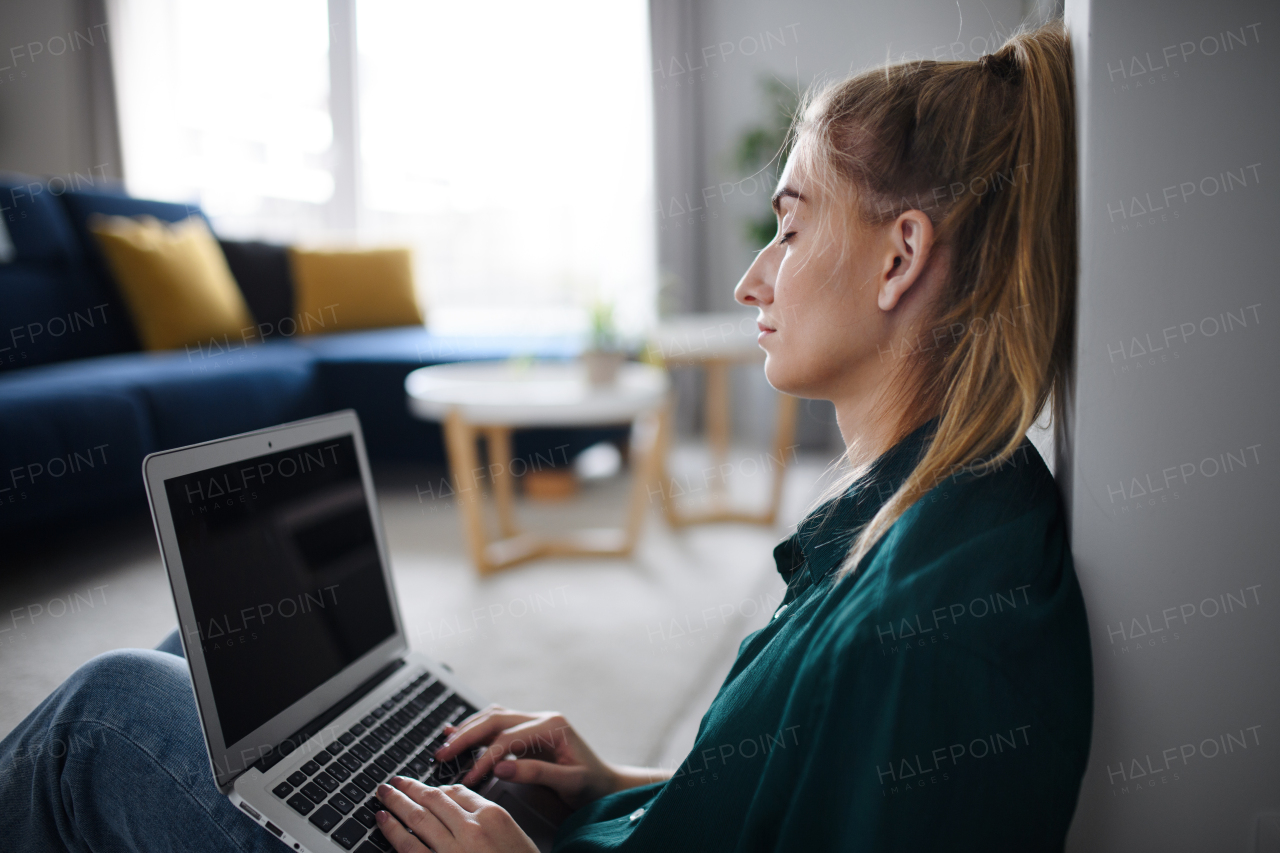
939 698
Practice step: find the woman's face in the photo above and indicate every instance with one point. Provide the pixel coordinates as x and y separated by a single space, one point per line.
819 322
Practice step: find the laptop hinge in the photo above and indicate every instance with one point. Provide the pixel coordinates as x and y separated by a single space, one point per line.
277 753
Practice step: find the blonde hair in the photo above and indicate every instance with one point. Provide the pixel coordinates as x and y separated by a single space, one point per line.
986 149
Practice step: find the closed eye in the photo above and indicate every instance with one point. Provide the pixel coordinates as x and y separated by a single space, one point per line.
786 238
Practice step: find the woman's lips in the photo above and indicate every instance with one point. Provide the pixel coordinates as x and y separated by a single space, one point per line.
765 331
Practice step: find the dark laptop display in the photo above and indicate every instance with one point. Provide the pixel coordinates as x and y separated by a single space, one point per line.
280 558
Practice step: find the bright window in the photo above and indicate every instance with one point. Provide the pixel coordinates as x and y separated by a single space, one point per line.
510 143
226 104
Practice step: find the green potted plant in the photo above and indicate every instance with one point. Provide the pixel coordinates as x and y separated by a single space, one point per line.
604 354
762 151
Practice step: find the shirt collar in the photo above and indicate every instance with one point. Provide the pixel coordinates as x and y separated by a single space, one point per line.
822 539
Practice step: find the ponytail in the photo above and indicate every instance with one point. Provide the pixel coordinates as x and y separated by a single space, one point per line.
986 149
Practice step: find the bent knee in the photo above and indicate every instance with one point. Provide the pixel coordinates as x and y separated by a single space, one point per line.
129 678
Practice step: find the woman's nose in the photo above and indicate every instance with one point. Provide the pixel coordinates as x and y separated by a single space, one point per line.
753 289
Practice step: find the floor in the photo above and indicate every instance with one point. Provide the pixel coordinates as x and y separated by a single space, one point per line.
631 651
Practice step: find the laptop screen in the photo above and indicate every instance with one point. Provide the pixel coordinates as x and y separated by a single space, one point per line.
284 576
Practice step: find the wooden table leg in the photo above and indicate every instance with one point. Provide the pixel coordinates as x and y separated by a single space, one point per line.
460 439
648 445
783 443
717 415
499 441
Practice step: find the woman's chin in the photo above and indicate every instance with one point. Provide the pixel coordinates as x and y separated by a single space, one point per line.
782 380
787 379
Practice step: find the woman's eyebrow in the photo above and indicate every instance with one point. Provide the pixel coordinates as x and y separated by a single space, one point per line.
785 192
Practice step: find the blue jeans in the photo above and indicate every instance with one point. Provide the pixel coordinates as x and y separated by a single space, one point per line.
114 760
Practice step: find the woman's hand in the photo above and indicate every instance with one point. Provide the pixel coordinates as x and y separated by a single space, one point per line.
547 752
452 819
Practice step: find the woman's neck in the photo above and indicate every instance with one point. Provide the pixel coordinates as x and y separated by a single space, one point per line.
871 427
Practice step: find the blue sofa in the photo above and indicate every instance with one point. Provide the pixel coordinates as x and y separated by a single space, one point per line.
80 405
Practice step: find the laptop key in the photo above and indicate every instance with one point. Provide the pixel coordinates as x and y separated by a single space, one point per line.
297 778
363 751
324 780
336 747
349 834
349 736
377 839
367 847
314 793
407 745
363 782
350 762
370 743
365 816
325 818
339 772
377 714
341 803
386 762
376 773
367 720
352 792
397 753
282 790
388 705
323 757
300 804
310 768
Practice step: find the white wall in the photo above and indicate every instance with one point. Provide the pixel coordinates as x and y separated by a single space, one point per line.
56 103
1172 458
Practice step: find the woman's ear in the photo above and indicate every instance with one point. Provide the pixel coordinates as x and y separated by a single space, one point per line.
909 243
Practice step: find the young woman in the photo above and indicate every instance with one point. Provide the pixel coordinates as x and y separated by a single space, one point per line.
926 682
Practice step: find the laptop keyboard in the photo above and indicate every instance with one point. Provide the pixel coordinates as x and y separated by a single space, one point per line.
334 789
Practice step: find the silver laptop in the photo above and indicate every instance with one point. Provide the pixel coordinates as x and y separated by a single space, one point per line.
307 691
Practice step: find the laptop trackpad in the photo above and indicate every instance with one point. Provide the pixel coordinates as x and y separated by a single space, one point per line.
536 809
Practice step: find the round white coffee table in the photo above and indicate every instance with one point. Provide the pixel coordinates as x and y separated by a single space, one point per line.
495 397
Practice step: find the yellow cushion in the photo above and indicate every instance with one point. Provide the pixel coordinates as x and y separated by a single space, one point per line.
174 280
345 290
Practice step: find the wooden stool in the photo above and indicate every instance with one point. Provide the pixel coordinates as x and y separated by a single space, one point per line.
715 343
